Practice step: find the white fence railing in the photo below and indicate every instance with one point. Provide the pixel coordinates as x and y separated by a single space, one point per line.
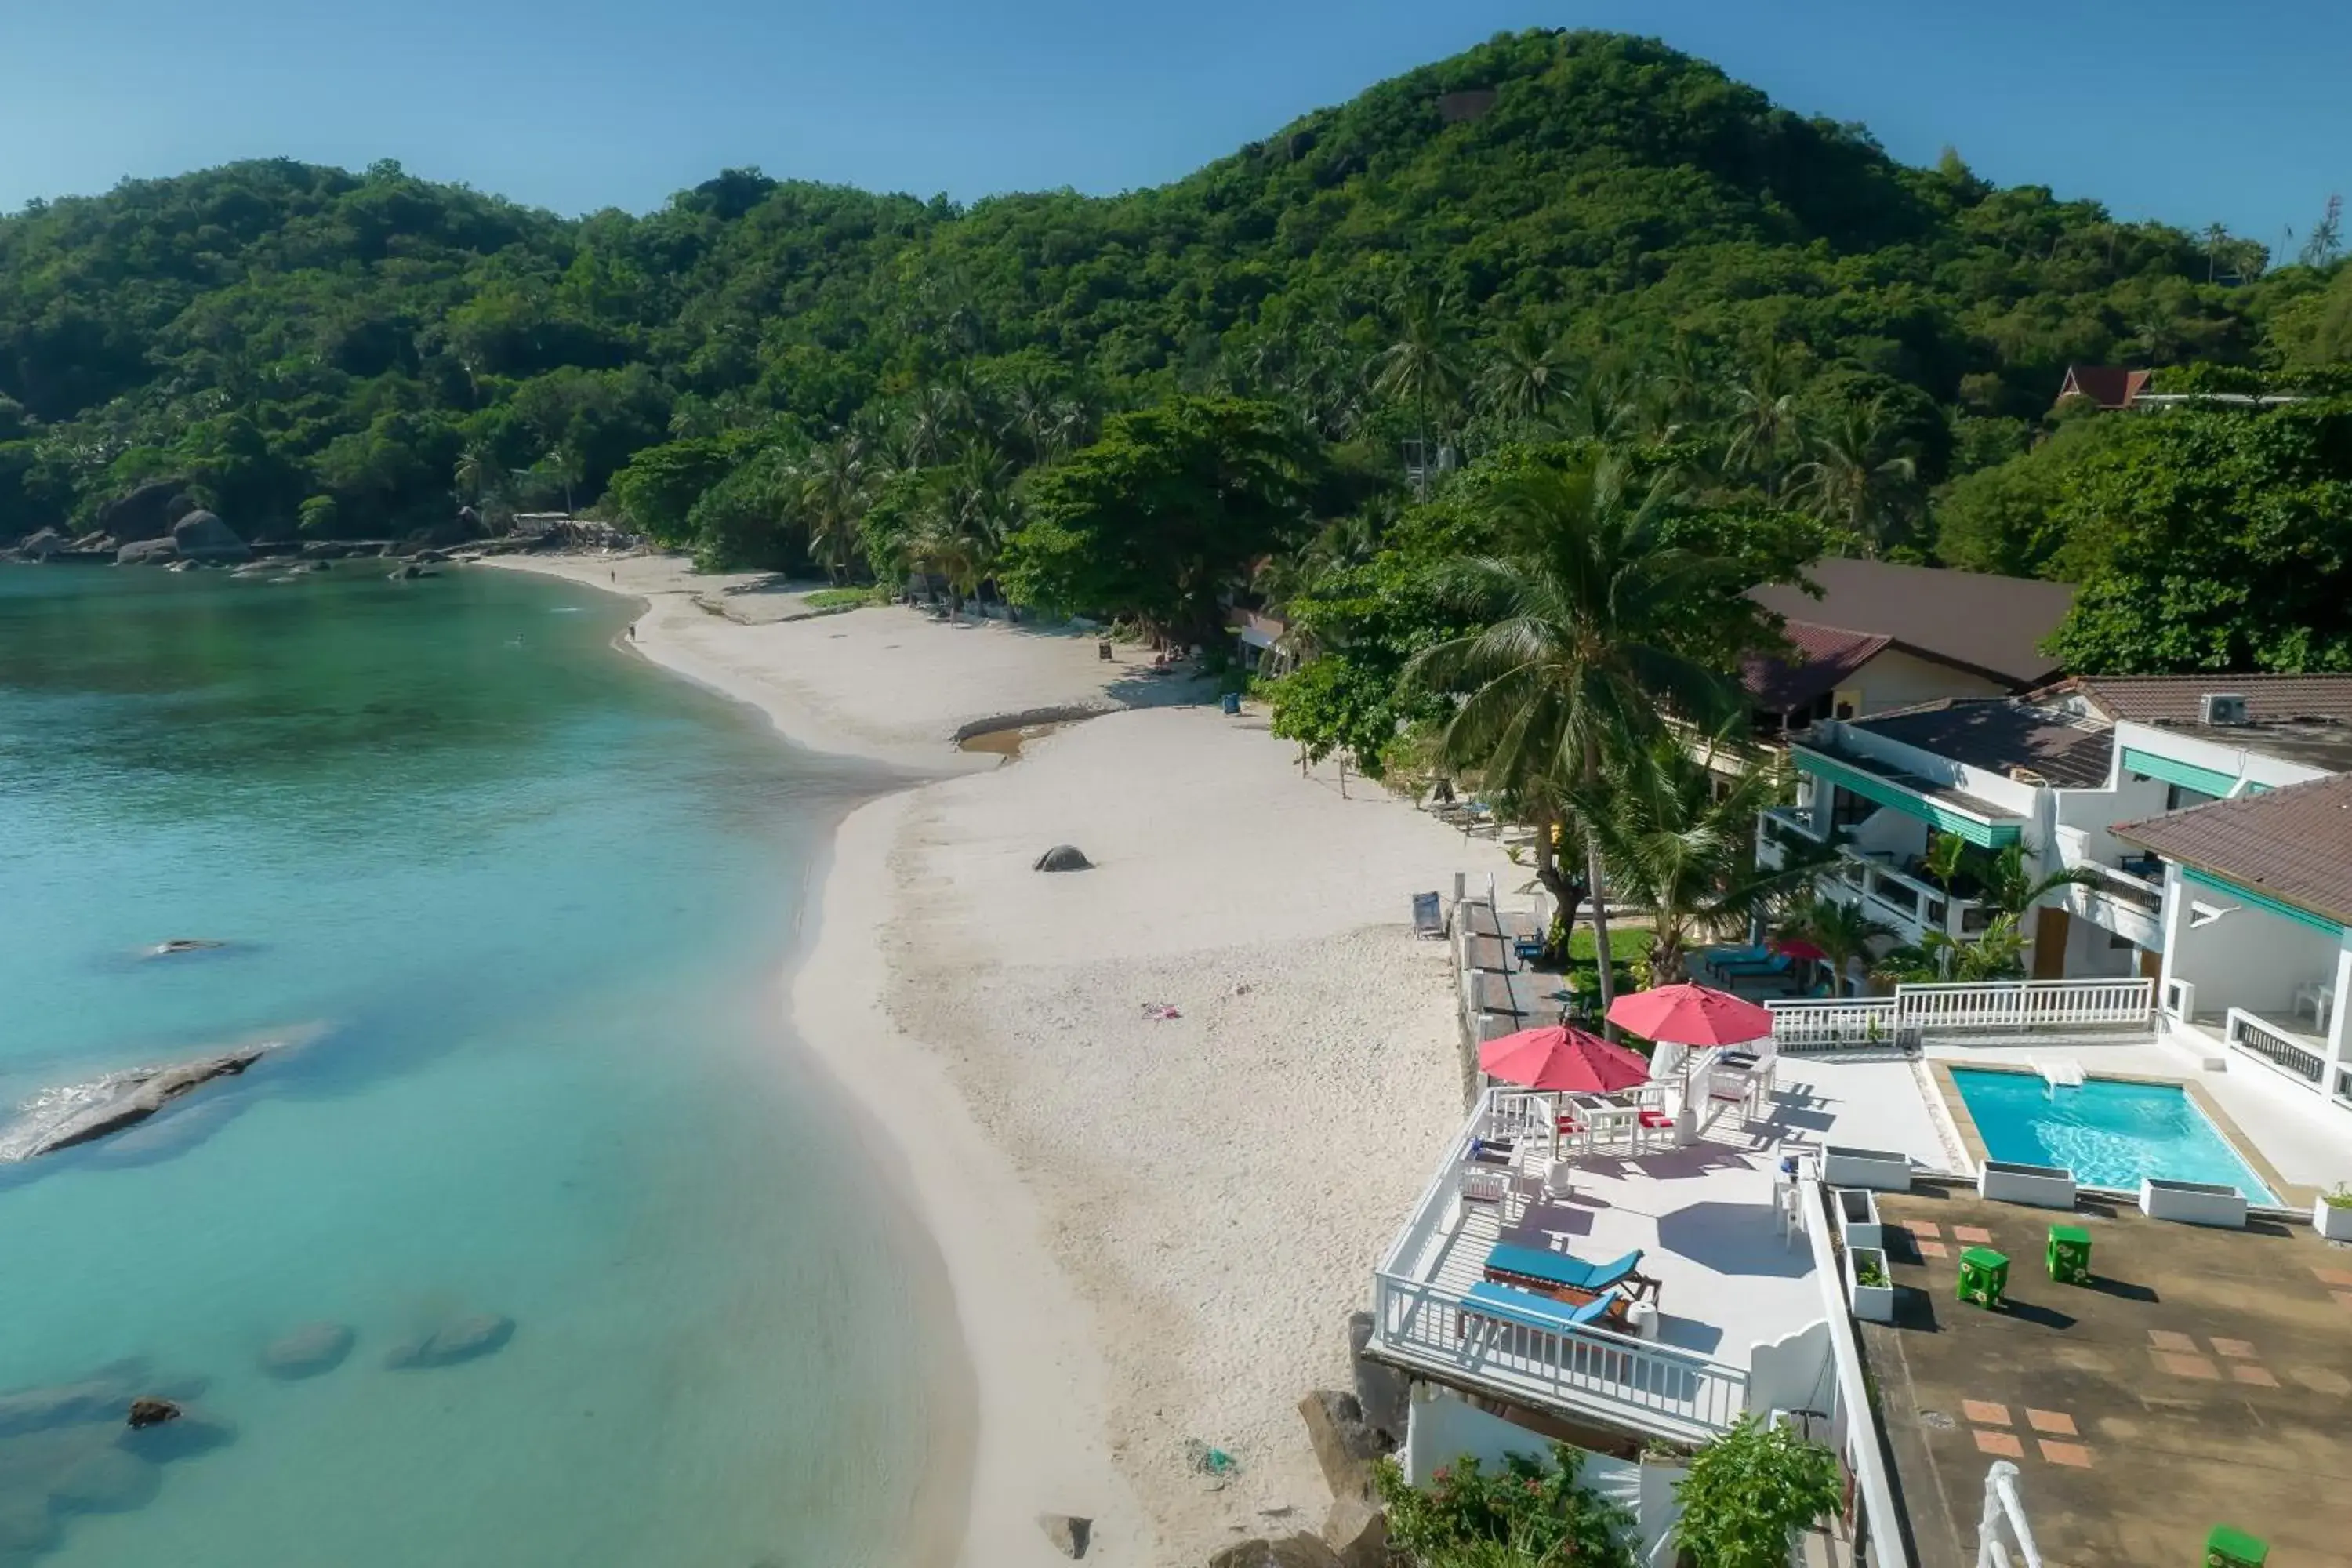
2257 1036
2005 1007
1647 1386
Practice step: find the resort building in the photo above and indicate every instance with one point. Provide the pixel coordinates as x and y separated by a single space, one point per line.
1883 636
2207 818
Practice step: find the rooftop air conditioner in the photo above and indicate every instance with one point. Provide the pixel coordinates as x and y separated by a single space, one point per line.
2028 776
2222 707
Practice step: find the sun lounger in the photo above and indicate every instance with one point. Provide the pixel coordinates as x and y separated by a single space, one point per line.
1718 958
1520 1309
1541 1268
1428 916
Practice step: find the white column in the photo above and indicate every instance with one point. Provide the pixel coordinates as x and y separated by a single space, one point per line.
2339 1036
2176 921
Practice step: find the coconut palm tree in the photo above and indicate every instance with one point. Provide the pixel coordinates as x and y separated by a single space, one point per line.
1840 929
1996 953
837 483
2012 888
1576 660
1766 423
1677 836
1422 367
1524 374
478 474
1855 477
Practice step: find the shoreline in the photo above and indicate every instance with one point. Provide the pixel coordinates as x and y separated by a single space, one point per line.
1137 1257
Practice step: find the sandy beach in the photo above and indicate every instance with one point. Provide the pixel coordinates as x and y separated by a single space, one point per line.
1159 1117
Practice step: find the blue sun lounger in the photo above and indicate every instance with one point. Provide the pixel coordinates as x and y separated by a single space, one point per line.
1502 1304
1509 1263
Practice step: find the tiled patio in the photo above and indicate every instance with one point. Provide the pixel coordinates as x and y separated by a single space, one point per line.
2202 1379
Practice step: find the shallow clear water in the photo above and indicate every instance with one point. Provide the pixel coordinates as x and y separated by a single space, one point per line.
2109 1133
526 898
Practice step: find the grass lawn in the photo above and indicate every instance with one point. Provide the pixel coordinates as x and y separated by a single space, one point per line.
1622 943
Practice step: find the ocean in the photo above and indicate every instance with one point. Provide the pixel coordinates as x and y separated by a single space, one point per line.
510 907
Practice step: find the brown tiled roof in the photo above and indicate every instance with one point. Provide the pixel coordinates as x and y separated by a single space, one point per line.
1999 734
2294 844
1992 626
2174 699
2108 385
1822 659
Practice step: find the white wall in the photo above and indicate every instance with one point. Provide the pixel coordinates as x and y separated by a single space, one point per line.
2094 811
2089 954
2235 761
1441 1427
2249 958
1897 679
1792 1373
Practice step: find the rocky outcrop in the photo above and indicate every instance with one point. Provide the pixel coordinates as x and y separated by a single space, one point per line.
1068 1533
42 545
307 1350
147 513
147 1411
1301 1550
1356 1531
201 536
148 552
133 1097
460 1340
1064 857
1380 1389
64 1450
1345 1446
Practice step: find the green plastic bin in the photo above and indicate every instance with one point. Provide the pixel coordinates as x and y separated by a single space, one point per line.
2070 1255
1984 1276
2227 1547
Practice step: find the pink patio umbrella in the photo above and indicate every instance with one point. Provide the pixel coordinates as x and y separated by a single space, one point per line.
1691 1015
1797 947
1559 1058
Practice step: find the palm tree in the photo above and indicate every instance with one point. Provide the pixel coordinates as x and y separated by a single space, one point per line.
478 474
1526 376
2011 887
1577 660
1423 368
1605 405
1840 929
1675 836
1856 478
1765 419
566 462
1996 953
835 485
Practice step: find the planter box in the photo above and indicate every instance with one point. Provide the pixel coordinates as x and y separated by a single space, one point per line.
2042 1187
2332 1223
1857 1218
1872 1303
1879 1168
2193 1202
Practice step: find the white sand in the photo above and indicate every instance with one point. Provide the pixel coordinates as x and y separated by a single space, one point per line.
1154 1230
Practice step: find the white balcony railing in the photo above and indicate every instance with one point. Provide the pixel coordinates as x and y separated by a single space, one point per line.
2257 1036
1640 1386
2006 1007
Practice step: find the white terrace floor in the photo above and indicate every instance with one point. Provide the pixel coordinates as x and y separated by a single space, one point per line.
1705 1217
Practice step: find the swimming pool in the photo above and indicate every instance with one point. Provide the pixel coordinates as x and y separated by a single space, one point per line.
2109 1133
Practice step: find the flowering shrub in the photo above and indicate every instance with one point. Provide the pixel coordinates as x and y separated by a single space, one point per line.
1526 1513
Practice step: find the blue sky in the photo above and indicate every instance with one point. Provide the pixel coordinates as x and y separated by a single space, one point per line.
2189 112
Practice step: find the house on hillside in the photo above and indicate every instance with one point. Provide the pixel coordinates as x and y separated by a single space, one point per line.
2211 813
1884 636
2109 386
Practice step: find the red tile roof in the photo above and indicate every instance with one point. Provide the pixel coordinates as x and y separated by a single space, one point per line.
2293 843
2177 699
2108 385
1991 626
1823 659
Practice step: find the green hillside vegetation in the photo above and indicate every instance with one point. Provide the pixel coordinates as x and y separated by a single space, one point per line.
1550 243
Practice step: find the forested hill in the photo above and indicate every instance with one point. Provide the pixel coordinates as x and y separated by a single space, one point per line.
358 352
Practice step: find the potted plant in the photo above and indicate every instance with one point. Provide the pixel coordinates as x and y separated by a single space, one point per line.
1868 1288
2331 1214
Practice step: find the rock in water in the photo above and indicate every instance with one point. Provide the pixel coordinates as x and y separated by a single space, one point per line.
1064 857
148 552
140 1096
107 1480
26 1528
1068 1533
201 536
184 945
462 1339
307 1352
146 1412
147 513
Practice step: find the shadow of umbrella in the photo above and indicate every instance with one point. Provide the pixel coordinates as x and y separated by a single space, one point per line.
1734 1239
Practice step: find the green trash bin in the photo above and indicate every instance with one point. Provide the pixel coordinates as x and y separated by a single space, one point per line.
1984 1276
2226 1547
2070 1255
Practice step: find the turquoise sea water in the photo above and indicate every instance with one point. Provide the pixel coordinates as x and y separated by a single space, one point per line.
528 897
2108 1132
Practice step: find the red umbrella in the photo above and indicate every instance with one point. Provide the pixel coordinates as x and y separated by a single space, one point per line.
1691 1015
1797 947
1562 1058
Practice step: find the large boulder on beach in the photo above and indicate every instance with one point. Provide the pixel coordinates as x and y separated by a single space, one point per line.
202 536
148 552
1358 1532
146 512
459 1339
1069 1533
1301 1550
307 1350
1064 857
1345 1446
1381 1391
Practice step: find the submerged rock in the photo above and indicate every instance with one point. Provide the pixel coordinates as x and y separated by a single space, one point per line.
307 1352
111 1480
461 1339
184 945
150 1412
1064 857
136 1096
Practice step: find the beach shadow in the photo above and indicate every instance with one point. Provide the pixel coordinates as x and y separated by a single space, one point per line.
1734 1240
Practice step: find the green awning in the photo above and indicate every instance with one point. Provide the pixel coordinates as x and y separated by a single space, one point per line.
2188 775
1986 832
2230 889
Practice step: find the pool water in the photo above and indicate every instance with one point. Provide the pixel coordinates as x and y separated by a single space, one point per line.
2109 1133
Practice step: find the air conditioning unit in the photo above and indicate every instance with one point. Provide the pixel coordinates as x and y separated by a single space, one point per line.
2222 707
2028 776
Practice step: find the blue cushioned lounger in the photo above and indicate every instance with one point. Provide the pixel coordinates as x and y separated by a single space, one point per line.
1531 1312
1559 1268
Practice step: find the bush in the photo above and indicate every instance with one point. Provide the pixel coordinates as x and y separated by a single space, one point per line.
1526 1514
1749 1491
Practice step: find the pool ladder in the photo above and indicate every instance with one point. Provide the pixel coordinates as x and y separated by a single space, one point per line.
2060 1074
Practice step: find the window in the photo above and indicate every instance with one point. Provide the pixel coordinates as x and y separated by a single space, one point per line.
2180 797
1847 808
